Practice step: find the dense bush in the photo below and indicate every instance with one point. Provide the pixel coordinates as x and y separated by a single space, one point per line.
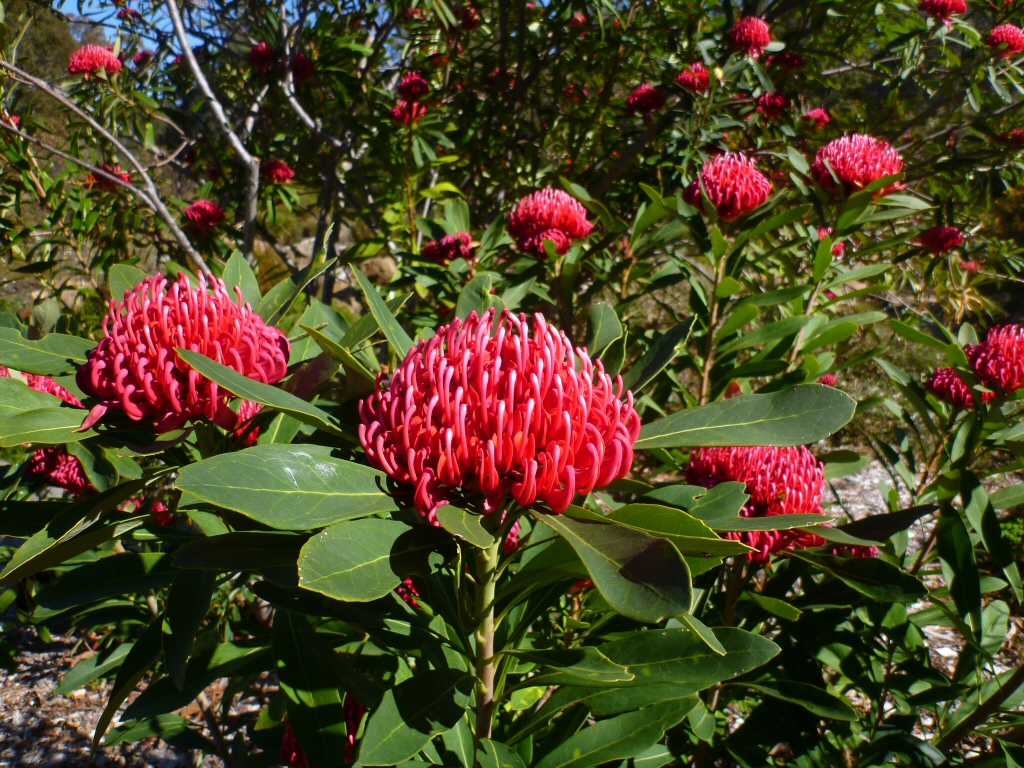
556 494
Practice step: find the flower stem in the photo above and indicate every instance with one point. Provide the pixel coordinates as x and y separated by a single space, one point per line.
486 577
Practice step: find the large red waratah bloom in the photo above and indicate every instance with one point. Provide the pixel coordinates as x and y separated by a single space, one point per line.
645 99
939 240
549 214
857 160
492 411
751 35
354 712
695 78
407 112
59 468
262 57
733 185
449 248
943 10
999 360
291 751
1006 41
945 384
204 215
104 184
135 367
773 105
413 86
277 171
90 59
819 116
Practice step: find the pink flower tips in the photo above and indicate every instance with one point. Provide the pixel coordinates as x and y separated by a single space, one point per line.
135 367
695 78
262 57
819 116
945 384
857 160
204 215
90 59
549 214
449 248
773 105
59 468
751 36
408 112
104 184
276 171
733 185
940 240
1006 41
490 410
943 10
999 360
645 99
413 87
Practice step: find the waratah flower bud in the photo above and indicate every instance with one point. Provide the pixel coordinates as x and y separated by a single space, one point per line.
204 215
733 185
857 160
819 116
943 10
945 384
751 36
407 112
449 248
90 59
695 78
838 249
59 468
104 184
549 214
773 105
787 61
276 171
828 379
645 99
262 57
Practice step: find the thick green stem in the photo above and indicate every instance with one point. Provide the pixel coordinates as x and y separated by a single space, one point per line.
486 578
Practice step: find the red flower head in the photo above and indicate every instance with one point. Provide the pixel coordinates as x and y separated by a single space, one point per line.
733 185
469 17
246 411
354 712
303 68
695 78
262 57
787 61
773 105
1014 138
135 367
751 36
277 171
162 515
999 360
512 540
645 99
578 21
970 267
828 379
408 592
406 112
942 10
141 59
489 409
129 15
413 87
49 386
59 468
1006 41
90 59
291 751
838 249
204 215
549 214
946 385
939 240
857 160
104 184
449 248
819 116
12 120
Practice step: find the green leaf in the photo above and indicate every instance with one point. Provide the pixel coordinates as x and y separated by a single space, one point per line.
959 567
187 604
44 426
238 273
317 314
912 334
822 258
393 332
641 576
661 353
413 712
794 416
771 332
774 606
122 279
704 633
729 286
338 352
173 729
136 664
366 326
464 525
691 536
843 463
815 700
494 754
248 389
772 523
107 577
870 576
54 354
279 299
93 668
725 500
475 296
289 487
743 315
17 397
603 327
241 551
1004 498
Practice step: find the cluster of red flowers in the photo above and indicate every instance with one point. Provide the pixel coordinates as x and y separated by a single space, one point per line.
773 105
945 384
940 240
998 362
838 249
203 215
90 59
695 78
780 481
645 99
751 35
262 57
276 171
788 61
142 58
943 10
135 367
490 409
1014 138
819 116
104 184
549 214
733 185
408 109
1006 41
449 248
857 160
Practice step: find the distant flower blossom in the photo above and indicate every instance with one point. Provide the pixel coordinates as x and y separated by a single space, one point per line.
354 712
838 249
247 410
645 99
277 171
129 15
787 61
940 240
262 57
819 116
291 751
303 68
469 17
857 161
104 184
142 58
59 468
90 59
408 592
970 267
408 112
733 185
1013 138
828 379
947 385
695 78
999 360
751 35
413 87
943 10
449 248
549 214
204 215
773 105
1006 41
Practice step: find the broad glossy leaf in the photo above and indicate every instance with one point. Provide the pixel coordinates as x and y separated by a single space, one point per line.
289 487
136 664
870 576
92 668
1010 496
22 519
44 426
122 278
843 463
773 523
959 567
774 606
689 535
617 700
237 272
393 332
881 527
464 525
107 577
54 354
494 754
176 730
241 551
16 397
187 604
795 416
586 663
661 353
815 700
603 327
411 713
725 500
475 296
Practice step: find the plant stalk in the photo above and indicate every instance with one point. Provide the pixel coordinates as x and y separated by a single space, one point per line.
486 578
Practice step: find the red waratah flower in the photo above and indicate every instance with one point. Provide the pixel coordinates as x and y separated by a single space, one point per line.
1014 138
942 10
59 468
413 87
970 267
857 160
773 105
469 17
1006 41
262 57
512 540
819 116
90 59
129 15
549 214
406 112
945 384
49 386
493 411
408 592
449 248
141 59
135 367
695 78
828 379
104 184
787 61
354 712
645 99
13 120
751 36
578 21
939 240
246 411
291 751
999 360
838 249
277 171
162 515
204 215
303 68
733 185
